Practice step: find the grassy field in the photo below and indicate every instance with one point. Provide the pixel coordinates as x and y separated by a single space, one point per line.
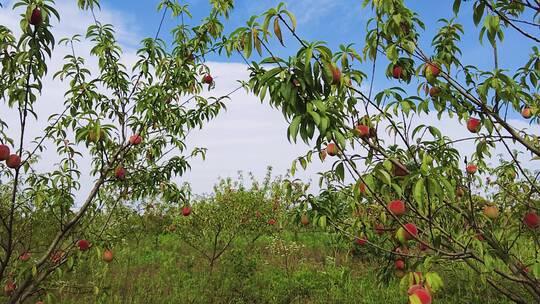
301 268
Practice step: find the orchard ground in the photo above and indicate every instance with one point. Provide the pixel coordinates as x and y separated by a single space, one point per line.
316 268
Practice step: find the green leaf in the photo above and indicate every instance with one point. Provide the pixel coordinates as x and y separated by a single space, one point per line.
434 281
340 171
316 117
384 176
322 221
418 192
340 139
293 19
292 132
478 12
450 191
456 6
303 163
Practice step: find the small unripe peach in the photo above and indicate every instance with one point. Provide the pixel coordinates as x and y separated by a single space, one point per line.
304 220
361 241
460 192
491 212
400 264
108 256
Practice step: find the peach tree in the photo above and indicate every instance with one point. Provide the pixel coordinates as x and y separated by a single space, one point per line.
129 122
235 213
402 186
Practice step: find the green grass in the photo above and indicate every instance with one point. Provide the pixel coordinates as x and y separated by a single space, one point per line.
174 273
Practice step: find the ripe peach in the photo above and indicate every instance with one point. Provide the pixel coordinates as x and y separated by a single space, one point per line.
526 113
24 257
397 72
13 161
410 231
434 91
336 74
471 169
379 229
362 188
58 256
332 149
83 245
361 241
362 130
9 288
474 125
186 211
120 173
531 220
36 18
208 79
322 154
421 295
397 207
135 139
432 70
4 152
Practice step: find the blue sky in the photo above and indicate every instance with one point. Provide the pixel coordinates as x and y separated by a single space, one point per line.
333 21
336 22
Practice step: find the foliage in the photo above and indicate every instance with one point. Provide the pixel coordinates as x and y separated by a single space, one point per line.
455 215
